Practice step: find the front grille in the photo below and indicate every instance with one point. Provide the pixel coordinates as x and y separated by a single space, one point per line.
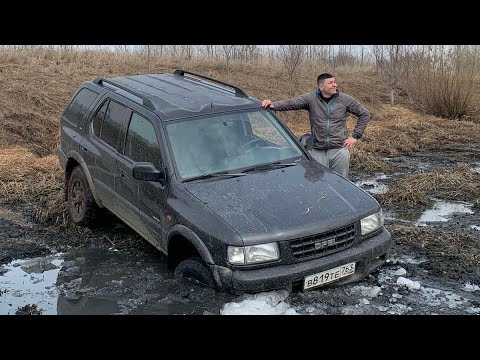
305 248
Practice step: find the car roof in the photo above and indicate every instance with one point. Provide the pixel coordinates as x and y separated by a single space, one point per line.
180 94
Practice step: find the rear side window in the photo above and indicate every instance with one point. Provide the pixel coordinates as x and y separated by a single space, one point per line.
79 105
97 122
142 144
113 122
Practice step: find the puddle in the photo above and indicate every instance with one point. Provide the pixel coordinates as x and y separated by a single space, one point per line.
92 281
28 282
440 212
372 185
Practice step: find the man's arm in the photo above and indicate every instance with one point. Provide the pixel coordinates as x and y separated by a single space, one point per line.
297 103
363 117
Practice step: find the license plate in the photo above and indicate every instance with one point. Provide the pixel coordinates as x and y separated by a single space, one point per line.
329 275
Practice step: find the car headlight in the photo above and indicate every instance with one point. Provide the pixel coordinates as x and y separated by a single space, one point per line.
372 223
242 255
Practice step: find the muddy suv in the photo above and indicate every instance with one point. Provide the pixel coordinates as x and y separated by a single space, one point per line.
216 182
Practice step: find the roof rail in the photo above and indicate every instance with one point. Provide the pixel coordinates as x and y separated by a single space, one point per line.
147 102
238 91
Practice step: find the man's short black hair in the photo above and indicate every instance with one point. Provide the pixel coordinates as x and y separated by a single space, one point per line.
323 76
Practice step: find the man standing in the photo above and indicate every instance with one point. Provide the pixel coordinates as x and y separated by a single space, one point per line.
328 109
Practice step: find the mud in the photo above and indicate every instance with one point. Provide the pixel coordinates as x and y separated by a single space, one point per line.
108 269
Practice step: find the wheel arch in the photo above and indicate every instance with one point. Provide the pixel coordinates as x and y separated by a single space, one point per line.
180 235
180 238
74 159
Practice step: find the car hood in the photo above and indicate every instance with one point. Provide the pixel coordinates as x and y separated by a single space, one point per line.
286 203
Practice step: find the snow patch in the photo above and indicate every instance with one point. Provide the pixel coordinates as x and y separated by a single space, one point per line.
266 303
412 285
470 287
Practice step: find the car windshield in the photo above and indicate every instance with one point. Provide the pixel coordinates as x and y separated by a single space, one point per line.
228 142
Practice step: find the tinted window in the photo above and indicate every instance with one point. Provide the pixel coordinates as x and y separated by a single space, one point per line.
142 144
79 105
113 123
97 122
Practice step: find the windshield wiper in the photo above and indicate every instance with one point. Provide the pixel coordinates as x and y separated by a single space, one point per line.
219 174
276 165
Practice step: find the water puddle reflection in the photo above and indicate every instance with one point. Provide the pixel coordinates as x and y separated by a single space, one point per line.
100 281
372 185
27 282
441 211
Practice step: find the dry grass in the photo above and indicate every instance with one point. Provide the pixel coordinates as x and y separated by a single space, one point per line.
460 184
27 178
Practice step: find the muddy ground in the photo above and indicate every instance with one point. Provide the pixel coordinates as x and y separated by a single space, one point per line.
108 269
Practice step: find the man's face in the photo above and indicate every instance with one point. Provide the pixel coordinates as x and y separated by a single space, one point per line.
328 87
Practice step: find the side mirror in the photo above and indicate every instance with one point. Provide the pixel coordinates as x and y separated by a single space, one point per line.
148 172
306 141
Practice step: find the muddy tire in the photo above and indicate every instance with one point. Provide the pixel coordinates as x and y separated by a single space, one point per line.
81 204
195 268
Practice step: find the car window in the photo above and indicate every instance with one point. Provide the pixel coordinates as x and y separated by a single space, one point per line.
113 122
264 129
142 144
97 122
228 142
79 105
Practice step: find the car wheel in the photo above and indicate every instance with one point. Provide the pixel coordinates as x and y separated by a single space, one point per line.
81 204
195 268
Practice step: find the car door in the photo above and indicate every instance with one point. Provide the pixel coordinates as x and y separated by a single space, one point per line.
99 150
147 199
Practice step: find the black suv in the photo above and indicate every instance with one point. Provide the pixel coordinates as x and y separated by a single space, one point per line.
216 182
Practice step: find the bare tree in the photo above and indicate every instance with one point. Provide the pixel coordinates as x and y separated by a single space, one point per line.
394 63
291 57
228 52
211 51
148 57
187 52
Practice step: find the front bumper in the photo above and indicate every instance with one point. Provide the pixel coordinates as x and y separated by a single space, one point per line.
368 255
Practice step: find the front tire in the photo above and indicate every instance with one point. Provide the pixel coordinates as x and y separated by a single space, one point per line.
81 204
195 268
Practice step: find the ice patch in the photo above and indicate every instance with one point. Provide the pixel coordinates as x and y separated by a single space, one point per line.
473 310
412 285
368 291
436 298
399 309
267 303
405 259
400 272
471 287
